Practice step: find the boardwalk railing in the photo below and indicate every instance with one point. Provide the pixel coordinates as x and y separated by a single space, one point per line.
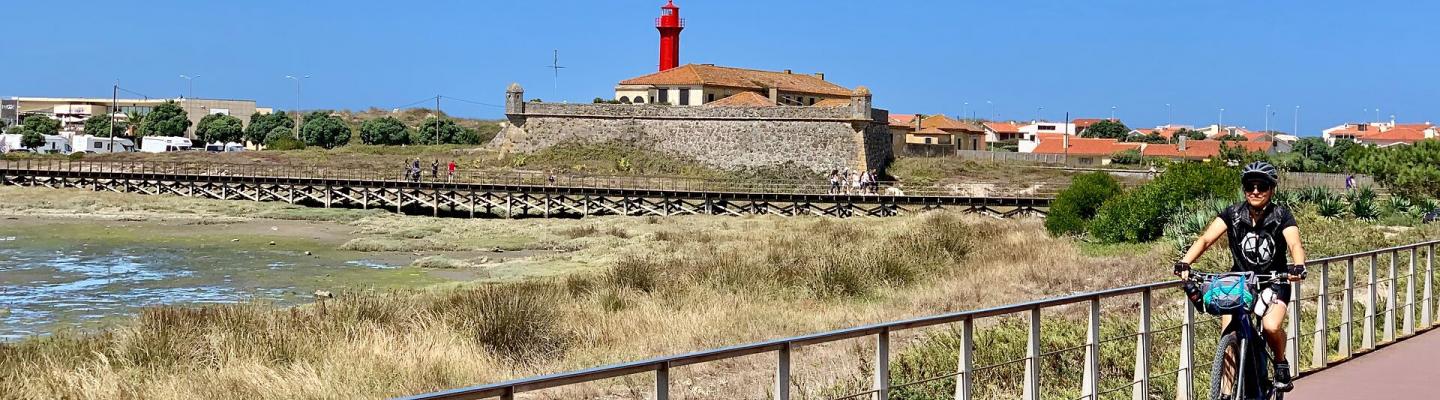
1313 302
534 178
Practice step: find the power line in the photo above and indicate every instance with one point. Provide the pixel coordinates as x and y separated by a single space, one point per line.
473 102
147 97
427 99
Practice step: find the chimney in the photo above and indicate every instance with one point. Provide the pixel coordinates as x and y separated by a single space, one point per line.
774 95
1181 146
820 75
787 72
917 119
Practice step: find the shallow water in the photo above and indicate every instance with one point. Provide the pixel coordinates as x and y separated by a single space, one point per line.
48 285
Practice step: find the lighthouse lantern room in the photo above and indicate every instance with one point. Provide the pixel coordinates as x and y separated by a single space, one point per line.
669 25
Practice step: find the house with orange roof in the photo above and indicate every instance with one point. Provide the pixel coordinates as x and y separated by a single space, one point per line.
1083 151
1201 150
1381 134
996 132
697 84
937 129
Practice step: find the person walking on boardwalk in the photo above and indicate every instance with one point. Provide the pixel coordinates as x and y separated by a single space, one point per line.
451 176
415 167
408 171
834 182
435 170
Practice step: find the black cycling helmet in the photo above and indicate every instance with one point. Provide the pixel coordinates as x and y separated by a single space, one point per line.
1259 170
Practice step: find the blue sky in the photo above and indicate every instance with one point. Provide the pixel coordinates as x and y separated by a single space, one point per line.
1336 59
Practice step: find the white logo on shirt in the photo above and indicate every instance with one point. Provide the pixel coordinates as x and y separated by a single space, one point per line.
1258 248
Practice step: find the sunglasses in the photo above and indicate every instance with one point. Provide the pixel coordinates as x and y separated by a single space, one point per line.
1257 186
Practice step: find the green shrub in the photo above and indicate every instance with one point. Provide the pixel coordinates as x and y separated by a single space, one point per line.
1330 206
1127 157
1141 215
1192 220
1363 204
1076 205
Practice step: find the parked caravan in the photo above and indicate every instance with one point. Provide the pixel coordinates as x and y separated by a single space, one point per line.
218 147
161 144
96 144
53 144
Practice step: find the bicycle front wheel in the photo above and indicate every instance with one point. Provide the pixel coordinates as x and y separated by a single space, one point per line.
1219 377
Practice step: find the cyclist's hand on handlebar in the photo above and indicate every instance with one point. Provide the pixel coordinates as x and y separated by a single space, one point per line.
1182 269
1297 272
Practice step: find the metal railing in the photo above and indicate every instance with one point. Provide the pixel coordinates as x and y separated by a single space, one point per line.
531 178
1137 302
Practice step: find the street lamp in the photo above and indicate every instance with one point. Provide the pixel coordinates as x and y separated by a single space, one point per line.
962 110
1267 119
1112 113
1296 128
299 116
189 96
1037 113
992 110
1221 126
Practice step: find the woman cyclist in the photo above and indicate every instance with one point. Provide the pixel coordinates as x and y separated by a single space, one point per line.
1263 239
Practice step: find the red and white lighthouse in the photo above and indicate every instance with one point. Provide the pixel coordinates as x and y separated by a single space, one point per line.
669 25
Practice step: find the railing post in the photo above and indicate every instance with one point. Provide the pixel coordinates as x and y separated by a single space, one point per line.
1346 310
1141 391
1032 358
662 382
1322 310
1185 378
882 365
967 360
1367 340
1390 297
1425 316
782 373
1090 384
1409 321
1292 350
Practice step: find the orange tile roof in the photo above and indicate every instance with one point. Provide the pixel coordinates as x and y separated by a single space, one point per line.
832 103
931 131
1055 144
1003 127
943 122
1199 149
740 78
742 99
1082 123
1408 133
906 120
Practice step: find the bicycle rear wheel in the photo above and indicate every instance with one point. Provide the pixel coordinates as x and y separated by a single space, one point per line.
1231 342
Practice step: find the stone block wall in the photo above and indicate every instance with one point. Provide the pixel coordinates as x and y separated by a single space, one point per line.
733 138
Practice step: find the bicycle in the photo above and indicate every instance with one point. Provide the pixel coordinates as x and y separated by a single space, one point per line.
1252 379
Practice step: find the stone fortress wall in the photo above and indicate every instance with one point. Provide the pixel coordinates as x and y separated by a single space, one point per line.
817 138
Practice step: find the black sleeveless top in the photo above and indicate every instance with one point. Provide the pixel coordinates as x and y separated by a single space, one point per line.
1259 248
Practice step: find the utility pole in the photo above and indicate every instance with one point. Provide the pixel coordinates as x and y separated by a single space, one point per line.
1112 113
189 96
114 106
1220 128
437 119
1297 121
1169 115
299 116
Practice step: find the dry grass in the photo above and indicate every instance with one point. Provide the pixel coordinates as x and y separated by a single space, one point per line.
668 287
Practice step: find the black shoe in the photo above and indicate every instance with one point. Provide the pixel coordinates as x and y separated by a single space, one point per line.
1282 377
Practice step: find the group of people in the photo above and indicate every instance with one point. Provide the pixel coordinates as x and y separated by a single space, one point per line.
851 182
414 172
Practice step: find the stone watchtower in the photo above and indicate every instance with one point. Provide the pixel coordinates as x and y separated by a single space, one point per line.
860 103
514 99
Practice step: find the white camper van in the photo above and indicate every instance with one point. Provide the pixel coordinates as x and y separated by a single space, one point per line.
53 144
96 144
161 144
218 147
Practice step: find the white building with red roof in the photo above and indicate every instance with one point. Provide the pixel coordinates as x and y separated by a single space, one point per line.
1380 134
697 84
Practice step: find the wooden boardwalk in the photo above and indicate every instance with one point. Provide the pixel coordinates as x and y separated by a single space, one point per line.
504 200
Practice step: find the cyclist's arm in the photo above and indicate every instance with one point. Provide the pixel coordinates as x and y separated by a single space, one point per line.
1292 241
1212 234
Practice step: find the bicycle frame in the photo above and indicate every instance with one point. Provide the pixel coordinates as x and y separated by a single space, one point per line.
1248 333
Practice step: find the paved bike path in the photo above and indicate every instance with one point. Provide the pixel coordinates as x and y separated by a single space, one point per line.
1408 369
